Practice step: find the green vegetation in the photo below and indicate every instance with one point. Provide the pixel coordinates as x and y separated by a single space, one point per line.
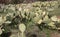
37 14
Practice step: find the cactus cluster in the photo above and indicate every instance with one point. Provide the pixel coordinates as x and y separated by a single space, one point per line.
30 14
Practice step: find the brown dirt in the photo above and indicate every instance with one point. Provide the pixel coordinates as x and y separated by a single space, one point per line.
55 34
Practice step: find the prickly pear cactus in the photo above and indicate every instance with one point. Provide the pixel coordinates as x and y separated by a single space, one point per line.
31 14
